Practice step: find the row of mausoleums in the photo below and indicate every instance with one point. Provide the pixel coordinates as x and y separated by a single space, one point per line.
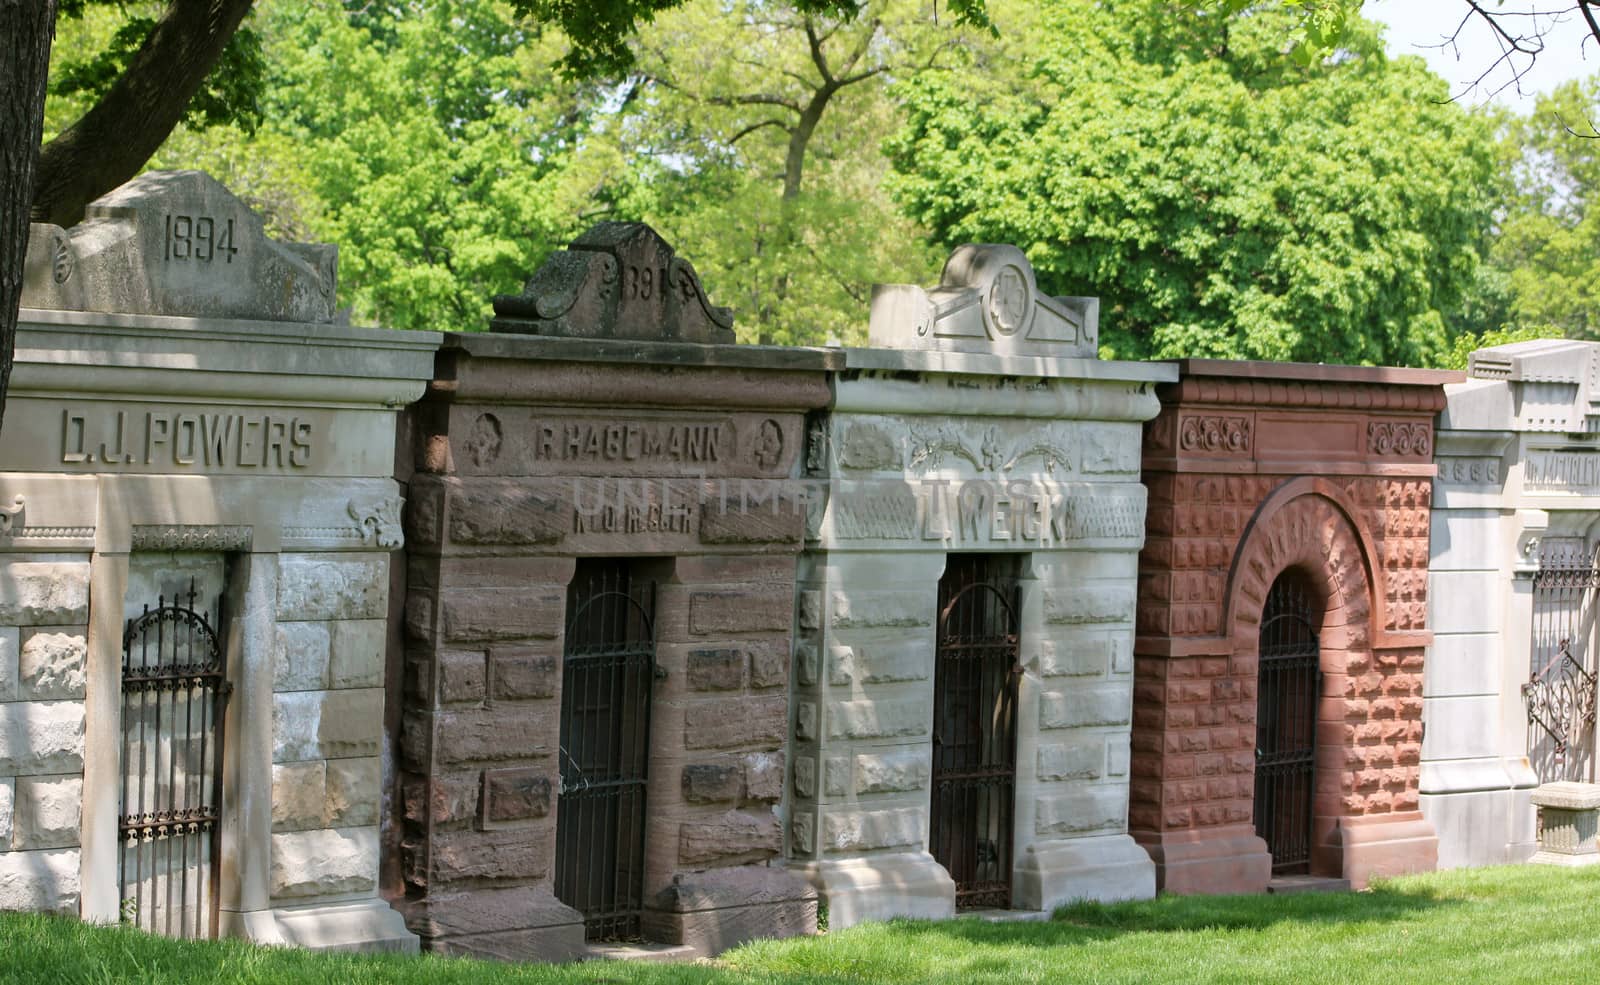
600 627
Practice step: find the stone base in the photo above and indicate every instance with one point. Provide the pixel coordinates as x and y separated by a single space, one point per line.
1212 861
1483 827
1105 869
1563 859
367 925
1386 845
882 887
520 924
713 911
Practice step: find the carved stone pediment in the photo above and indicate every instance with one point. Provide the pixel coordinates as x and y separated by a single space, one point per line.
619 280
987 301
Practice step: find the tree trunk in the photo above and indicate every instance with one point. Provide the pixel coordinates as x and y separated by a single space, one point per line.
27 27
115 138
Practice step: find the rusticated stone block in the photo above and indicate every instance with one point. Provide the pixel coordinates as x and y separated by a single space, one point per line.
44 593
52 665
1084 707
301 656
491 512
10 647
769 663
719 669
358 653
887 609
1089 604
709 783
326 724
503 613
763 776
41 737
741 722
1074 656
518 673
8 787
497 733
506 854
880 662
757 609
299 793
731 520
516 794
44 881
1072 760
1081 811
891 772
314 587
463 675
444 798
734 836
48 811
878 719
848 831
354 789
324 863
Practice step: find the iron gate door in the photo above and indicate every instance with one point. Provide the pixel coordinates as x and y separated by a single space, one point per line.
608 671
174 694
1560 692
975 727
1290 684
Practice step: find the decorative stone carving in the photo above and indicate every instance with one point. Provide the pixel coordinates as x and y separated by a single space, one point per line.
987 301
177 243
12 518
182 537
1413 439
378 520
619 280
1224 433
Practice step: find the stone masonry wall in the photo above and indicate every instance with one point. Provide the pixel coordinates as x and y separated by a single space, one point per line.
44 612
327 718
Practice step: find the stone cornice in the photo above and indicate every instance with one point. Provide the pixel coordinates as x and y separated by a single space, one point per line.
1299 386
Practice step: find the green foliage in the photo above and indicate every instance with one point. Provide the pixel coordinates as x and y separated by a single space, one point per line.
1221 199
230 95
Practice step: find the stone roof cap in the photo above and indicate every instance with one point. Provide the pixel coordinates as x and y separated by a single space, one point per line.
1261 369
1552 385
1534 361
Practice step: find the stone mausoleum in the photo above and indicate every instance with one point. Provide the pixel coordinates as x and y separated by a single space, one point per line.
603 522
1510 689
963 656
1282 629
198 515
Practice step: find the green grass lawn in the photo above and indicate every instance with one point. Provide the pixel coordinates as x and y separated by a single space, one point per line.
1521 924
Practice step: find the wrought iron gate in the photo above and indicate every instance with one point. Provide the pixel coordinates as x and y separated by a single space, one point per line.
1290 684
174 693
1560 693
975 727
608 673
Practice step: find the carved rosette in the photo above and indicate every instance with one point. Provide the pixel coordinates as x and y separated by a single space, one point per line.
378 520
1215 433
1402 438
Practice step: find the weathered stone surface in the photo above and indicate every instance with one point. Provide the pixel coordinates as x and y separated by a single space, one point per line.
769 663
354 790
326 724
516 794
519 673
41 737
879 662
758 609
851 831
893 771
735 835
494 512
1074 656
1099 706
299 795
708 783
719 669
320 586
1082 811
889 609
324 863
763 776
836 775
502 854
733 522
10 648
358 653
805 776
7 807
1089 604
1072 760
44 593
463 675
45 881
301 656
499 732
503 613
727 723
53 665
866 719
443 798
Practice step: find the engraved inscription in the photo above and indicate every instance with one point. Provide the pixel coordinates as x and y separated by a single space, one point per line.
200 238
632 441
632 508
1563 470
187 440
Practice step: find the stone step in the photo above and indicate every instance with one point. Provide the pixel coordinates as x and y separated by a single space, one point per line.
642 951
996 915
1308 884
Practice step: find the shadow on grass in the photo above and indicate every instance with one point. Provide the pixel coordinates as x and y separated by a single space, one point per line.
1083 922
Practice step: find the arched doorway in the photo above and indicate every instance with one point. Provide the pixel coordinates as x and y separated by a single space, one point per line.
1289 685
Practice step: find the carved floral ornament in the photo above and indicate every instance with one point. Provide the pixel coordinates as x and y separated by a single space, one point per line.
378 519
12 518
1215 433
1403 438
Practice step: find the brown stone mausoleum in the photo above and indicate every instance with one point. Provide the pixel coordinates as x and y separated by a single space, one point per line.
597 619
1282 624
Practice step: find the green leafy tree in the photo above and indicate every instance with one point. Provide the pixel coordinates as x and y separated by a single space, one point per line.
1222 200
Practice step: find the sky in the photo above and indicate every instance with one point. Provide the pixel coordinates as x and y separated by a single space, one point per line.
1424 27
